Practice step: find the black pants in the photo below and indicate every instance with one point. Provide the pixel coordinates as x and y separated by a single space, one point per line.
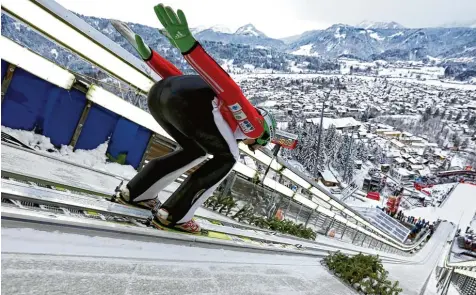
182 105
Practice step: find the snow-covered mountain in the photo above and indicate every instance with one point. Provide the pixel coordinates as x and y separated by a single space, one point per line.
247 35
389 44
250 30
379 25
454 45
236 53
216 28
366 41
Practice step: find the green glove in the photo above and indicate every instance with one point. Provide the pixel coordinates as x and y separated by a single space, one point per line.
176 26
142 48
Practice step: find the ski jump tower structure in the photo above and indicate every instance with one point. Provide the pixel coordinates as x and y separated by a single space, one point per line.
92 113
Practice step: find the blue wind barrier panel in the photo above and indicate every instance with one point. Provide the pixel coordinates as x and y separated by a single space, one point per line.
98 127
61 115
33 103
24 100
131 139
4 68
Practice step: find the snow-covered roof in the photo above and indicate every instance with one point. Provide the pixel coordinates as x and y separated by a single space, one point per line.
393 154
399 160
424 172
382 130
337 122
384 127
417 167
268 103
328 176
457 162
417 145
404 172
397 143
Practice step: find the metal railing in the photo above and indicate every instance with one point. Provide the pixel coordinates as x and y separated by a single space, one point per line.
461 274
322 219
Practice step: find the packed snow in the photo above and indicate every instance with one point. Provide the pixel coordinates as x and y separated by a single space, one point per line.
62 261
396 34
95 158
375 36
305 50
338 35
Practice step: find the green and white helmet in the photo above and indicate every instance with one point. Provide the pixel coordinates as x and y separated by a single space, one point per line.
269 127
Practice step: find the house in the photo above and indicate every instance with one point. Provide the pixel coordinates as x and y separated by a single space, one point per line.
402 175
424 172
383 130
456 164
328 178
343 124
392 134
399 162
417 167
397 144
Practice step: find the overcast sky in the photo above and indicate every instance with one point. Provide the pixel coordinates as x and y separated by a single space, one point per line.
282 18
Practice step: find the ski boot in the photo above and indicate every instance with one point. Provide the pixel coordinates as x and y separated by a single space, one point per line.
122 196
161 218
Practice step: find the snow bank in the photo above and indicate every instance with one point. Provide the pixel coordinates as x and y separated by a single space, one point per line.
428 213
461 204
459 208
91 158
29 138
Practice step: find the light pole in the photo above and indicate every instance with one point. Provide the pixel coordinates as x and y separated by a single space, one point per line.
348 153
320 129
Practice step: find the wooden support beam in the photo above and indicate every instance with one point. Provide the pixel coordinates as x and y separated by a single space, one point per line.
79 126
7 79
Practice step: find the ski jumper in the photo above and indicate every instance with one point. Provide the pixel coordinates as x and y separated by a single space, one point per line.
205 114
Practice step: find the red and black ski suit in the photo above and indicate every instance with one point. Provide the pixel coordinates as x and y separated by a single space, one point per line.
205 114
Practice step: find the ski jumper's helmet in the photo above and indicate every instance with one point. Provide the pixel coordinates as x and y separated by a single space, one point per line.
269 125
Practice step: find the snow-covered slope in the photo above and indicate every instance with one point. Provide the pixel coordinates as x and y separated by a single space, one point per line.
390 43
247 34
250 30
379 25
460 207
215 28
62 261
